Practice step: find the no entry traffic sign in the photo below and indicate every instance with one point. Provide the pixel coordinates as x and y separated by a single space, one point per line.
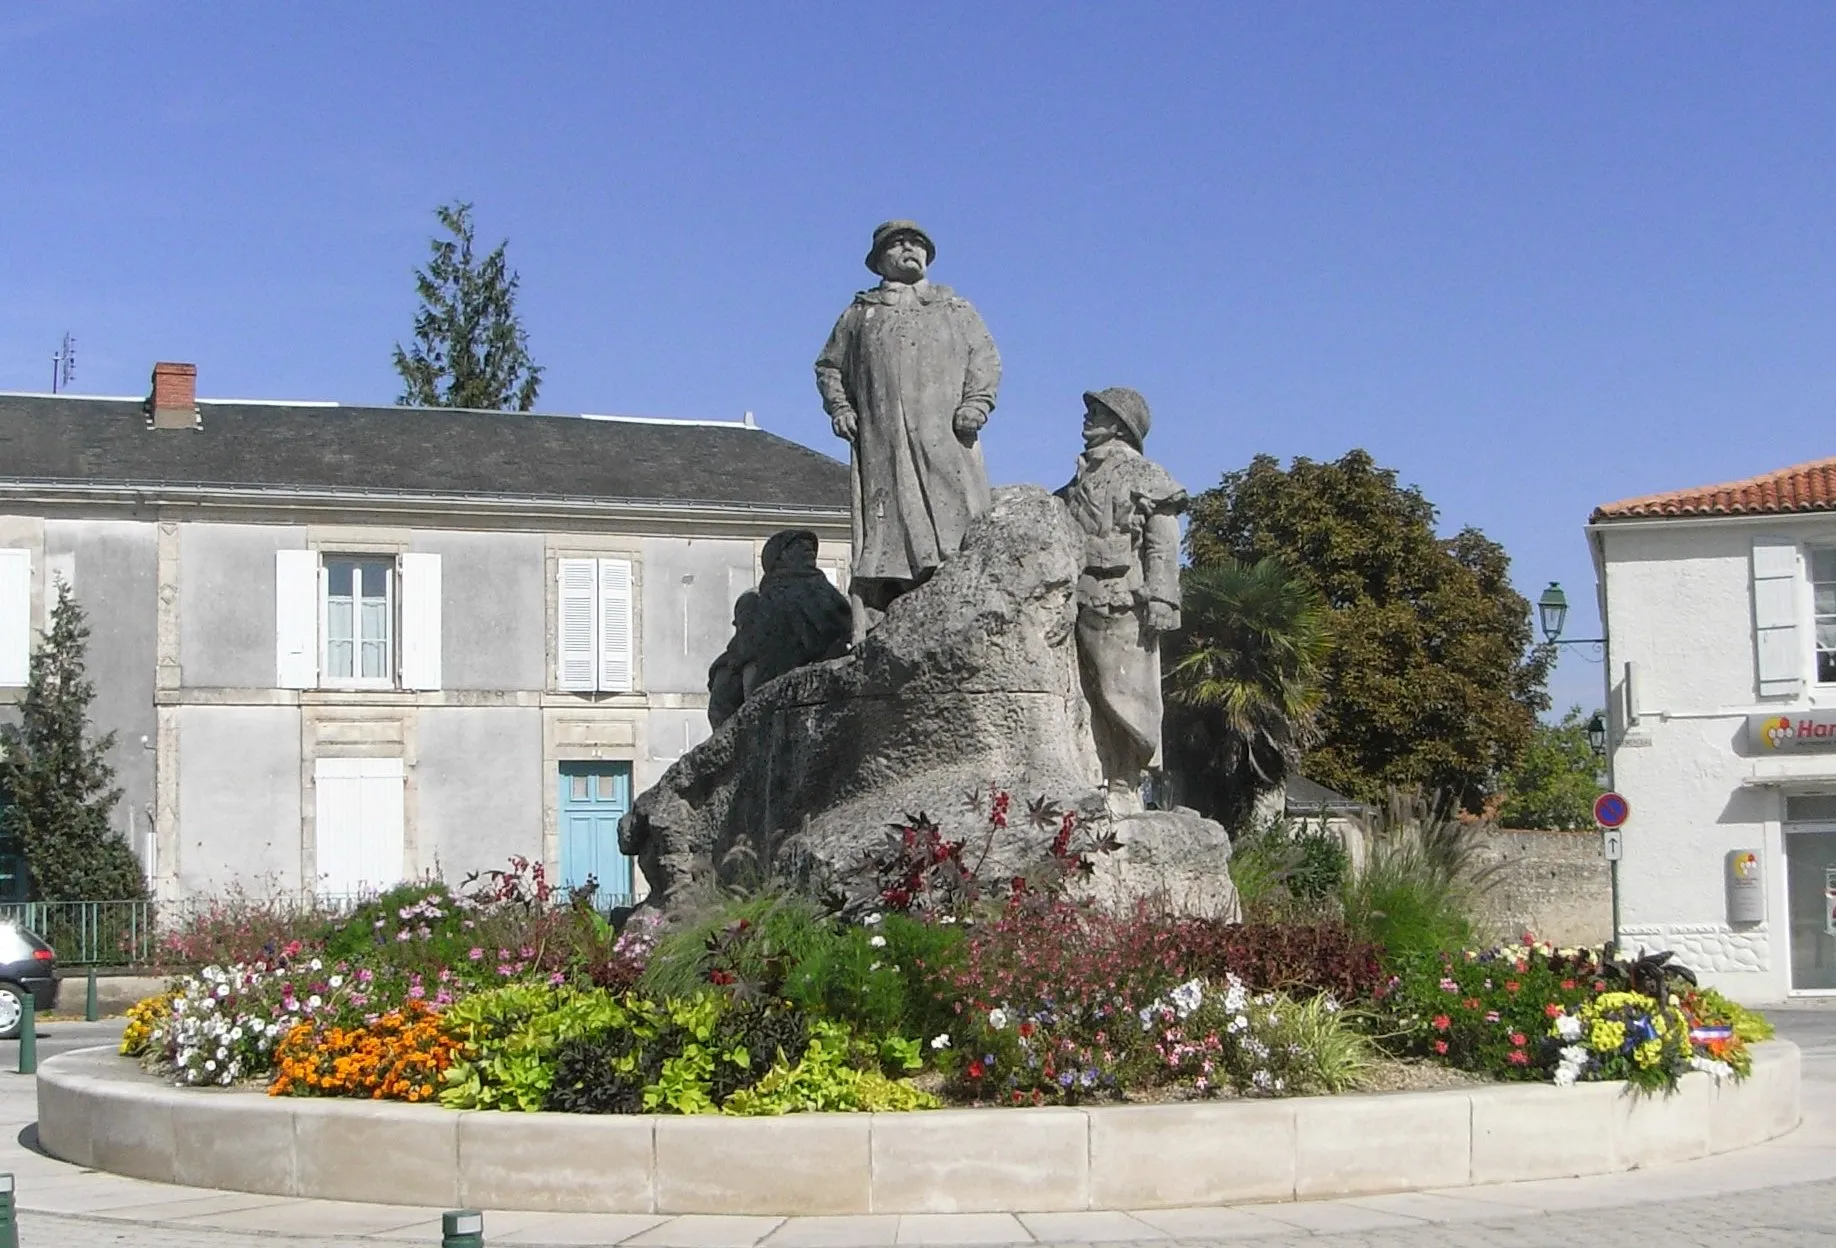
1611 810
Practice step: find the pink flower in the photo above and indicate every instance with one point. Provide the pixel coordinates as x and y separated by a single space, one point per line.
476 954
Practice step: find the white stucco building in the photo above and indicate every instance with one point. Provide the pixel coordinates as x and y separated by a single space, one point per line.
1720 623
343 646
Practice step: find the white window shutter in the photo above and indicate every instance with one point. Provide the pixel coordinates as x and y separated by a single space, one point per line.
357 825
383 822
1781 657
296 619
15 617
420 621
576 624
615 626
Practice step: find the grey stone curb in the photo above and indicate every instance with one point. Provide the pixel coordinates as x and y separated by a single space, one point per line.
96 1110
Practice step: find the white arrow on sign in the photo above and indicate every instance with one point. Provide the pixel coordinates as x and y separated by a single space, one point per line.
1613 843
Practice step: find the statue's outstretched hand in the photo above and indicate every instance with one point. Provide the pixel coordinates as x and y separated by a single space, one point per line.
969 422
844 422
1162 617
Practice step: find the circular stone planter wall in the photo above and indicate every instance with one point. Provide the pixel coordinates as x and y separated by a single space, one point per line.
99 1110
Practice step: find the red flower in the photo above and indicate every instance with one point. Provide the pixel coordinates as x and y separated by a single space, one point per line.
1552 1010
1517 1038
1510 985
1440 1046
1471 1003
1600 985
1568 985
975 1068
1442 1022
1519 1058
1026 1029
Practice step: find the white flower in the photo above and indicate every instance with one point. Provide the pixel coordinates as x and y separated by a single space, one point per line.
997 1018
223 990
1568 1027
1574 1055
313 1002
210 1064
941 1040
337 981
317 965
873 967
878 942
872 920
1565 1075
948 918
1187 997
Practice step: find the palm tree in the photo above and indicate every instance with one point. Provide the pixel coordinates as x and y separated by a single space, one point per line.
1243 682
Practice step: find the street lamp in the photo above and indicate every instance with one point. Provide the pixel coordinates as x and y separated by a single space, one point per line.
1597 735
1552 614
1552 609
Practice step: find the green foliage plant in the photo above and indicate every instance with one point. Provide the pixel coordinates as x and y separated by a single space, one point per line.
1554 783
57 787
469 348
1420 875
726 940
1286 870
1432 680
829 1076
1243 682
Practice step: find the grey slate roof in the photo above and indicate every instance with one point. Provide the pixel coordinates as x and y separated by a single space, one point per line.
414 450
1310 795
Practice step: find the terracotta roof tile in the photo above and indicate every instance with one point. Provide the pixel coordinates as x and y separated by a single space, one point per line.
1805 487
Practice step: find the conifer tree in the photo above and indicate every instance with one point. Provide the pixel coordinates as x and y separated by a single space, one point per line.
60 791
469 347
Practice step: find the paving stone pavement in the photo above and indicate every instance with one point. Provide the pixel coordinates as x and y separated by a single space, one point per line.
1779 1194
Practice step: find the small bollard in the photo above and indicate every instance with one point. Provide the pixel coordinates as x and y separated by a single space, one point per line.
90 1011
28 1037
9 1224
460 1228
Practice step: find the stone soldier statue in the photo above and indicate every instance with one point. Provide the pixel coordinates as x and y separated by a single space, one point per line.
728 676
794 617
801 618
1128 595
908 377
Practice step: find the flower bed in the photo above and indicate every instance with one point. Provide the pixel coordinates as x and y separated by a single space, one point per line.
929 988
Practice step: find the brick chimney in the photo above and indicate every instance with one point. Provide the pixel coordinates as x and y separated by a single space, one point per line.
174 401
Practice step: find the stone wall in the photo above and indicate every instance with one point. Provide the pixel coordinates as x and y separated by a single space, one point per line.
1555 884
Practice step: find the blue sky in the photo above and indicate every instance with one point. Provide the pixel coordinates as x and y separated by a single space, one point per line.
1535 257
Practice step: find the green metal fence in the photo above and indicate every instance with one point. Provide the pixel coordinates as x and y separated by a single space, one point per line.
90 933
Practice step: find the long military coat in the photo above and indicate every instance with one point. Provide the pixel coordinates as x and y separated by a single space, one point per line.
904 360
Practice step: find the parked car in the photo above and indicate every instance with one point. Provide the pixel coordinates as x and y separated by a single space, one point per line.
27 965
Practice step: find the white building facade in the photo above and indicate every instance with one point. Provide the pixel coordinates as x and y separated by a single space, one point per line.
341 647
1720 622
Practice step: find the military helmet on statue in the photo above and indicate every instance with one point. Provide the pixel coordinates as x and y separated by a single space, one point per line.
1126 406
887 231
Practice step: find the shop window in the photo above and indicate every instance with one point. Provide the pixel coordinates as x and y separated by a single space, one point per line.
1810 808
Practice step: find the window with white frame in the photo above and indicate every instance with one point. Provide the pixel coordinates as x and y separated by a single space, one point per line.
1823 611
593 625
359 620
350 620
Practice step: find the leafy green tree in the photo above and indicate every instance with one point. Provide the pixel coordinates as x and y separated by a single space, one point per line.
469 346
1556 781
1432 681
59 785
1242 682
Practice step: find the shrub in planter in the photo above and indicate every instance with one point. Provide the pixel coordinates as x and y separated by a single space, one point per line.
1295 957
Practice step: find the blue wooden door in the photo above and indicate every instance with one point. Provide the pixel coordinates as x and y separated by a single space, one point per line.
594 796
